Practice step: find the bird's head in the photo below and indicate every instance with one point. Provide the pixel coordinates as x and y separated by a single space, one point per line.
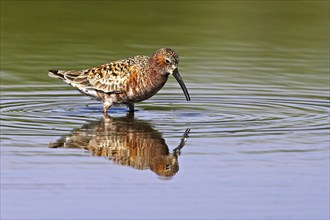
166 61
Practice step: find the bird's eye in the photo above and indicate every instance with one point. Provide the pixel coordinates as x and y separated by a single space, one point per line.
167 61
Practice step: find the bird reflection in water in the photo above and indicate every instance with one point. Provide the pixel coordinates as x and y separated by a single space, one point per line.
126 141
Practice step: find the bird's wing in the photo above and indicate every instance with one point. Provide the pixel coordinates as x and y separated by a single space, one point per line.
108 78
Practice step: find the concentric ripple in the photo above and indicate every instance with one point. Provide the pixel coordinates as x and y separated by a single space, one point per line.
219 110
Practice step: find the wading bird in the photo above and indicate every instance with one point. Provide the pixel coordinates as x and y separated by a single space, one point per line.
125 81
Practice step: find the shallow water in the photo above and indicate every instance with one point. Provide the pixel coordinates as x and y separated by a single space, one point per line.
253 143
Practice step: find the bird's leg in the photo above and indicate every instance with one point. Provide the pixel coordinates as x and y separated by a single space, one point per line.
105 115
131 107
130 115
106 106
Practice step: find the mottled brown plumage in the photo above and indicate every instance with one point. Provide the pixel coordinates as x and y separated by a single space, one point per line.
125 81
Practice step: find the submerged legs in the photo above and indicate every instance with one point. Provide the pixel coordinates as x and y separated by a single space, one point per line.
106 106
131 107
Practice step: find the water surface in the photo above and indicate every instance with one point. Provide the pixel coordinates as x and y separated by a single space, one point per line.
253 143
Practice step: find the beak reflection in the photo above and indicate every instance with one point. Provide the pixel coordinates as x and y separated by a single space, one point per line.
181 83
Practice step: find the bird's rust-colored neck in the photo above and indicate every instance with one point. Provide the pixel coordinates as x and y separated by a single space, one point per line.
154 78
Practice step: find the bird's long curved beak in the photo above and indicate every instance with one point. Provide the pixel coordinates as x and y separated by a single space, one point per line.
181 83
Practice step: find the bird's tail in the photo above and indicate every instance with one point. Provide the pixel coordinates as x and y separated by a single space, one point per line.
56 74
